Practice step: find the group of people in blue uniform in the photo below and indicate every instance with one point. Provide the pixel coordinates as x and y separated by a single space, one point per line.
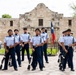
66 44
15 42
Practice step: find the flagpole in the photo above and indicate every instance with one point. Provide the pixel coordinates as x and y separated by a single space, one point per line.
51 43
50 47
52 37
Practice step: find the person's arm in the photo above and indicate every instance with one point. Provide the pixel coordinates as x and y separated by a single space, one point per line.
72 45
64 47
60 43
6 50
38 45
11 46
31 44
74 42
5 46
20 41
16 43
42 44
47 38
29 39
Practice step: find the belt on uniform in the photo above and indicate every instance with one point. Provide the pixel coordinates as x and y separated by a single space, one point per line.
68 46
24 43
9 48
17 45
35 46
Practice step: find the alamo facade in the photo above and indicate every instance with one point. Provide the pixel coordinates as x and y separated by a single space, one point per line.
40 16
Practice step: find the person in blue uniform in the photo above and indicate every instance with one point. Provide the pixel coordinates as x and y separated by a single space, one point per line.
9 44
44 35
60 40
64 33
42 48
45 30
36 43
68 43
25 45
18 41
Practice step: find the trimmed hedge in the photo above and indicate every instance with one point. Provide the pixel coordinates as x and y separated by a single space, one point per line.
49 51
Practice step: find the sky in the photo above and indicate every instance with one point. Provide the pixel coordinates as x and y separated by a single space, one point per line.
16 7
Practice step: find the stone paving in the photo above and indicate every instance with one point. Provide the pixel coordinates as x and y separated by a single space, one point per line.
50 69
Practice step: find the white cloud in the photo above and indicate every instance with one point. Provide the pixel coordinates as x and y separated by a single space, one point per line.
16 7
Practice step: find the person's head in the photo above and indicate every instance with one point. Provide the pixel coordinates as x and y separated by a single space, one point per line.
69 31
43 29
16 31
10 32
25 30
37 31
64 33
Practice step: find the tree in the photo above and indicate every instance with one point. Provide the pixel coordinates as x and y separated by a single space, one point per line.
73 6
6 16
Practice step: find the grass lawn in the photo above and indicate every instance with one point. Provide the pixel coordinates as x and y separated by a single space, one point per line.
49 51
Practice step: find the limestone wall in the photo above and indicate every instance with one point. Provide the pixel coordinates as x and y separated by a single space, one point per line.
5 25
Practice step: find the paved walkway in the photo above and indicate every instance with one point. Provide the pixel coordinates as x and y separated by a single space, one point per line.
51 68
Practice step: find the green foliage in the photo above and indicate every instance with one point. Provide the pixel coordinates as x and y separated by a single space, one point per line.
49 51
73 6
52 51
6 16
2 51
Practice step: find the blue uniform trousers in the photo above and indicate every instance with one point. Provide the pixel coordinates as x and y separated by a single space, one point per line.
26 47
17 50
45 52
62 53
37 58
69 57
12 53
61 50
42 55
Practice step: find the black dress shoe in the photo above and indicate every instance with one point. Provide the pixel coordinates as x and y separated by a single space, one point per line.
22 60
43 66
41 69
72 70
33 69
15 69
47 62
0 67
61 69
28 68
19 65
10 64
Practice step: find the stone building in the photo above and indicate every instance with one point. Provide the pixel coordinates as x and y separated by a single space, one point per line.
40 16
